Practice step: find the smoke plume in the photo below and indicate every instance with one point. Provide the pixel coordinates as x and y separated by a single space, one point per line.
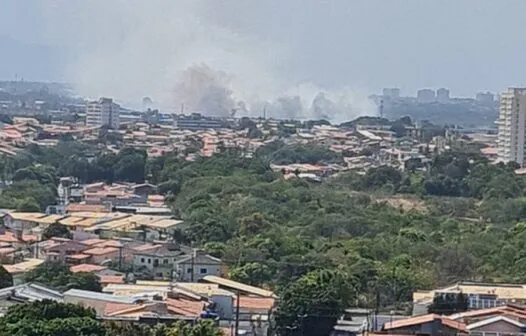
173 52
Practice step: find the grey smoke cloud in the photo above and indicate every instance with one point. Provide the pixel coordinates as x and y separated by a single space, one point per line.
172 51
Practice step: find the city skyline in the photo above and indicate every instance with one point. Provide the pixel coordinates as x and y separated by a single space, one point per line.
361 44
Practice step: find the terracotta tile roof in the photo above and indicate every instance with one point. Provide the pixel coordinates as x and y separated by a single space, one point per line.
425 319
77 207
146 247
7 250
511 310
156 198
185 307
111 279
9 237
87 268
92 242
109 243
79 256
101 250
249 302
111 307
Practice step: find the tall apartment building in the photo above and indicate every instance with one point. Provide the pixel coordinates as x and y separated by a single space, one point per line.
485 97
103 112
425 96
391 93
443 95
512 126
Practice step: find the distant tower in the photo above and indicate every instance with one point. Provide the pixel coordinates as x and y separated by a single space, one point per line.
381 109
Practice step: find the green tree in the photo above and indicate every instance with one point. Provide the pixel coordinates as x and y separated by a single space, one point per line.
6 280
60 277
202 328
449 303
312 304
255 274
56 230
49 318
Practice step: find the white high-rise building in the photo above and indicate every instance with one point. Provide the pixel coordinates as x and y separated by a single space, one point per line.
512 126
443 95
103 112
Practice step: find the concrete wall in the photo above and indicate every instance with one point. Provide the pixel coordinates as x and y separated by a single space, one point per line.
499 326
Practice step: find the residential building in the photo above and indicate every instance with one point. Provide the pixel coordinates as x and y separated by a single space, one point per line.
391 93
169 261
103 112
480 295
512 126
27 292
196 122
196 266
97 301
19 270
429 324
60 249
485 97
425 96
159 262
98 255
443 95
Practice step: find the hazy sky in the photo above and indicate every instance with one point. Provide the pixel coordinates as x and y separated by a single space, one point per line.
465 45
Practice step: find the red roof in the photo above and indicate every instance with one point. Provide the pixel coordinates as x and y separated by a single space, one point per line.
249 302
87 268
79 256
502 310
185 307
101 250
111 307
93 241
425 319
77 207
111 279
9 237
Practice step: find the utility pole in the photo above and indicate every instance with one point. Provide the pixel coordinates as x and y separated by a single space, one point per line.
237 314
193 264
120 256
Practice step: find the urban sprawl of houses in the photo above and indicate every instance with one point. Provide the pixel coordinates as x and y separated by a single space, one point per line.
123 232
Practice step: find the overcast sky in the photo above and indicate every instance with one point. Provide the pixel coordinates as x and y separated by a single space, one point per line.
466 45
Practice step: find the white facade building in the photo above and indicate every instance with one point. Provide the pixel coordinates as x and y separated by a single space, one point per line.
425 96
512 126
103 112
443 95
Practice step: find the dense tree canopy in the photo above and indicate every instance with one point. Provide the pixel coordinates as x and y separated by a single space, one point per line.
60 277
311 305
49 318
389 231
6 280
56 230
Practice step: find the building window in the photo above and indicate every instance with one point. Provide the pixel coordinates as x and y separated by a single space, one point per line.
203 271
142 260
165 261
149 261
159 275
189 270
